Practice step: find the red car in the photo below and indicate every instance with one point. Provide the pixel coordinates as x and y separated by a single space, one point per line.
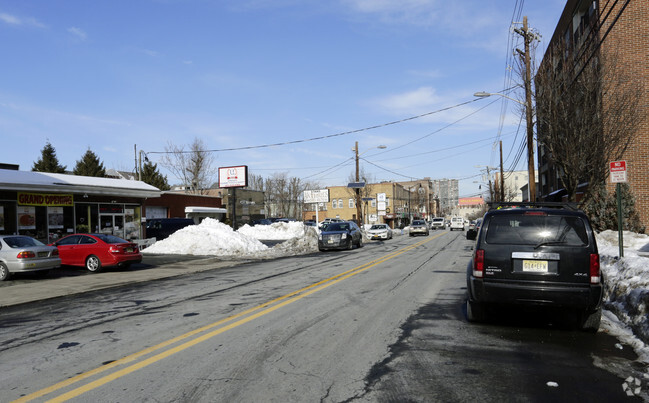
94 251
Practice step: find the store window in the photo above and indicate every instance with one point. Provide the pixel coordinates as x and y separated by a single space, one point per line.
86 218
8 218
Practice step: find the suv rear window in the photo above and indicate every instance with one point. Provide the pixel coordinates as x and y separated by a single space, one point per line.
537 230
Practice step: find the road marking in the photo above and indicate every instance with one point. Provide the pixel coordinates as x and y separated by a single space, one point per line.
236 320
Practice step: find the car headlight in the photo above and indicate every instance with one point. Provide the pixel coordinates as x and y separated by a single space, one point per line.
319 237
343 236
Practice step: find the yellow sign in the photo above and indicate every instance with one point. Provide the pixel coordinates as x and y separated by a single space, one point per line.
44 199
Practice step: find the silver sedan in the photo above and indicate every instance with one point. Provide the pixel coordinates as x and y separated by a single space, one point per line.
19 253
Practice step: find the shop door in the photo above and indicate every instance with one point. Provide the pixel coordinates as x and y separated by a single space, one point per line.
112 224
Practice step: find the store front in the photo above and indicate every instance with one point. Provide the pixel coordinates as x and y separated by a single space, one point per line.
49 206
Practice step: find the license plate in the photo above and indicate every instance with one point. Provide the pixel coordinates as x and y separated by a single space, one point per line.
43 254
537 266
330 241
129 250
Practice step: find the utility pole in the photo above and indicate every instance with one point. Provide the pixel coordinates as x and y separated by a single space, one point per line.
358 190
527 39
502 176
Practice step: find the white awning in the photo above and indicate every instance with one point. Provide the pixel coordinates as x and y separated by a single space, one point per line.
209 210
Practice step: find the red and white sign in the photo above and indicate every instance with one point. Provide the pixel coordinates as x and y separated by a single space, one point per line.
618 171
233 177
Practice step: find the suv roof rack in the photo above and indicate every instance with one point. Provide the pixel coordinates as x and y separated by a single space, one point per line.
559 205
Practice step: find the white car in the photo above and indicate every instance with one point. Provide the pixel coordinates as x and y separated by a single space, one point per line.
457 223
379 231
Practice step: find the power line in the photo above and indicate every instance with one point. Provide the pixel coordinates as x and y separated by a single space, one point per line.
320 137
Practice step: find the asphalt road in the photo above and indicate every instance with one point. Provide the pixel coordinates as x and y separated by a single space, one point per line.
381 323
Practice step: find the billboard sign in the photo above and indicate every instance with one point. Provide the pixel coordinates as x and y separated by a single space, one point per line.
233 177
316 196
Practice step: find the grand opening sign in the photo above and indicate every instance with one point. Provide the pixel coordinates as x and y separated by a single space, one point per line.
233 177
44 199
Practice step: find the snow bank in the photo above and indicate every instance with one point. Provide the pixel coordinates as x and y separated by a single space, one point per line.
213 238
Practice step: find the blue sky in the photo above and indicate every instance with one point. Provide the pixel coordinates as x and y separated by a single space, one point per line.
109 75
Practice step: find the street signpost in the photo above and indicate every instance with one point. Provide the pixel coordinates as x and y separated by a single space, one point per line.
316 197
617 170
233 177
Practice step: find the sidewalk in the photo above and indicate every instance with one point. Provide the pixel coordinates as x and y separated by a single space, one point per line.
153 268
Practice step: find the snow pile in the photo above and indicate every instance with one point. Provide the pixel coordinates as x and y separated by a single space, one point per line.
213 238
627 280
275 231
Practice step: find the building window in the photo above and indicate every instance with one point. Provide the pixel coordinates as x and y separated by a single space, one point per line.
351 203
340 203
334 204
373 203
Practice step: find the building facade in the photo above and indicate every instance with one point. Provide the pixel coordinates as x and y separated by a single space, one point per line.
48 206
618 30
448 194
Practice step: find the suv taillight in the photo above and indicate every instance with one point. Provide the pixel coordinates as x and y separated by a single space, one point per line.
594 268
478 263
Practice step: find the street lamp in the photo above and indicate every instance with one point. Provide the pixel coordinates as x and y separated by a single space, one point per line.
530 137
357 189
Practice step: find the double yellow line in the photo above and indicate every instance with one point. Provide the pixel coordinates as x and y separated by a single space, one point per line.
218 327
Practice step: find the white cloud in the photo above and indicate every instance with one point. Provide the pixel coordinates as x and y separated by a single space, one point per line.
17 21
78 32
415 101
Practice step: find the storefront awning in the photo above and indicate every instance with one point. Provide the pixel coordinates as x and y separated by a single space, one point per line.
197 209
28 181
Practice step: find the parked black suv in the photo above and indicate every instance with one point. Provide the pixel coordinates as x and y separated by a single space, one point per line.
536 254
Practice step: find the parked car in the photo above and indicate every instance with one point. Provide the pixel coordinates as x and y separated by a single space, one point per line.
94 251
19 254
541 255
379 231
418 227
457 223
263 221
437 223
161 228
311 223
340 235
474 227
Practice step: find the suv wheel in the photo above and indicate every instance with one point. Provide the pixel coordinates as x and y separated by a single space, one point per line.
590 322
475 312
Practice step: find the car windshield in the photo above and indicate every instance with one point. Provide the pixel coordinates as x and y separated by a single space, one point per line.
110 238
338 226
418 222
537 230
22 242
377 227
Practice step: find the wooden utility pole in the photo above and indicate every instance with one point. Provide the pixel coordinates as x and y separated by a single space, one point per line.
502 176
527 39
358 191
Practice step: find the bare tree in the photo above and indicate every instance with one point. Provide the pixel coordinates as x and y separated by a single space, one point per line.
588 110
193 167
282 194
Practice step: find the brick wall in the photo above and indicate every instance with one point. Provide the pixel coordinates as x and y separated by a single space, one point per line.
629 41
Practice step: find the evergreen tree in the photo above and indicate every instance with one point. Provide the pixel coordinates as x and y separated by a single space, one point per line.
89 165
601 209
631 221
153 177
48 161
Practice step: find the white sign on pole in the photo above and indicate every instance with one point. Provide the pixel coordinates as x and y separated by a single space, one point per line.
316 196
618 171
381 205
233 177
380 197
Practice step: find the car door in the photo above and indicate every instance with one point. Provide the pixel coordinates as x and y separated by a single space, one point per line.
68 248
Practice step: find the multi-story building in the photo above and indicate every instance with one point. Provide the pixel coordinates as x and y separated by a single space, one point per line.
448 194
385 202
587 31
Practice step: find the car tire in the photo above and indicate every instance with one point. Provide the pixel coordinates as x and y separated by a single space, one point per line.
4 272
475 312
350 245
360 242
93 263
590 322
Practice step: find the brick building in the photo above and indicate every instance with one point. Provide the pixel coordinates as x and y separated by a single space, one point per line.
619 30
